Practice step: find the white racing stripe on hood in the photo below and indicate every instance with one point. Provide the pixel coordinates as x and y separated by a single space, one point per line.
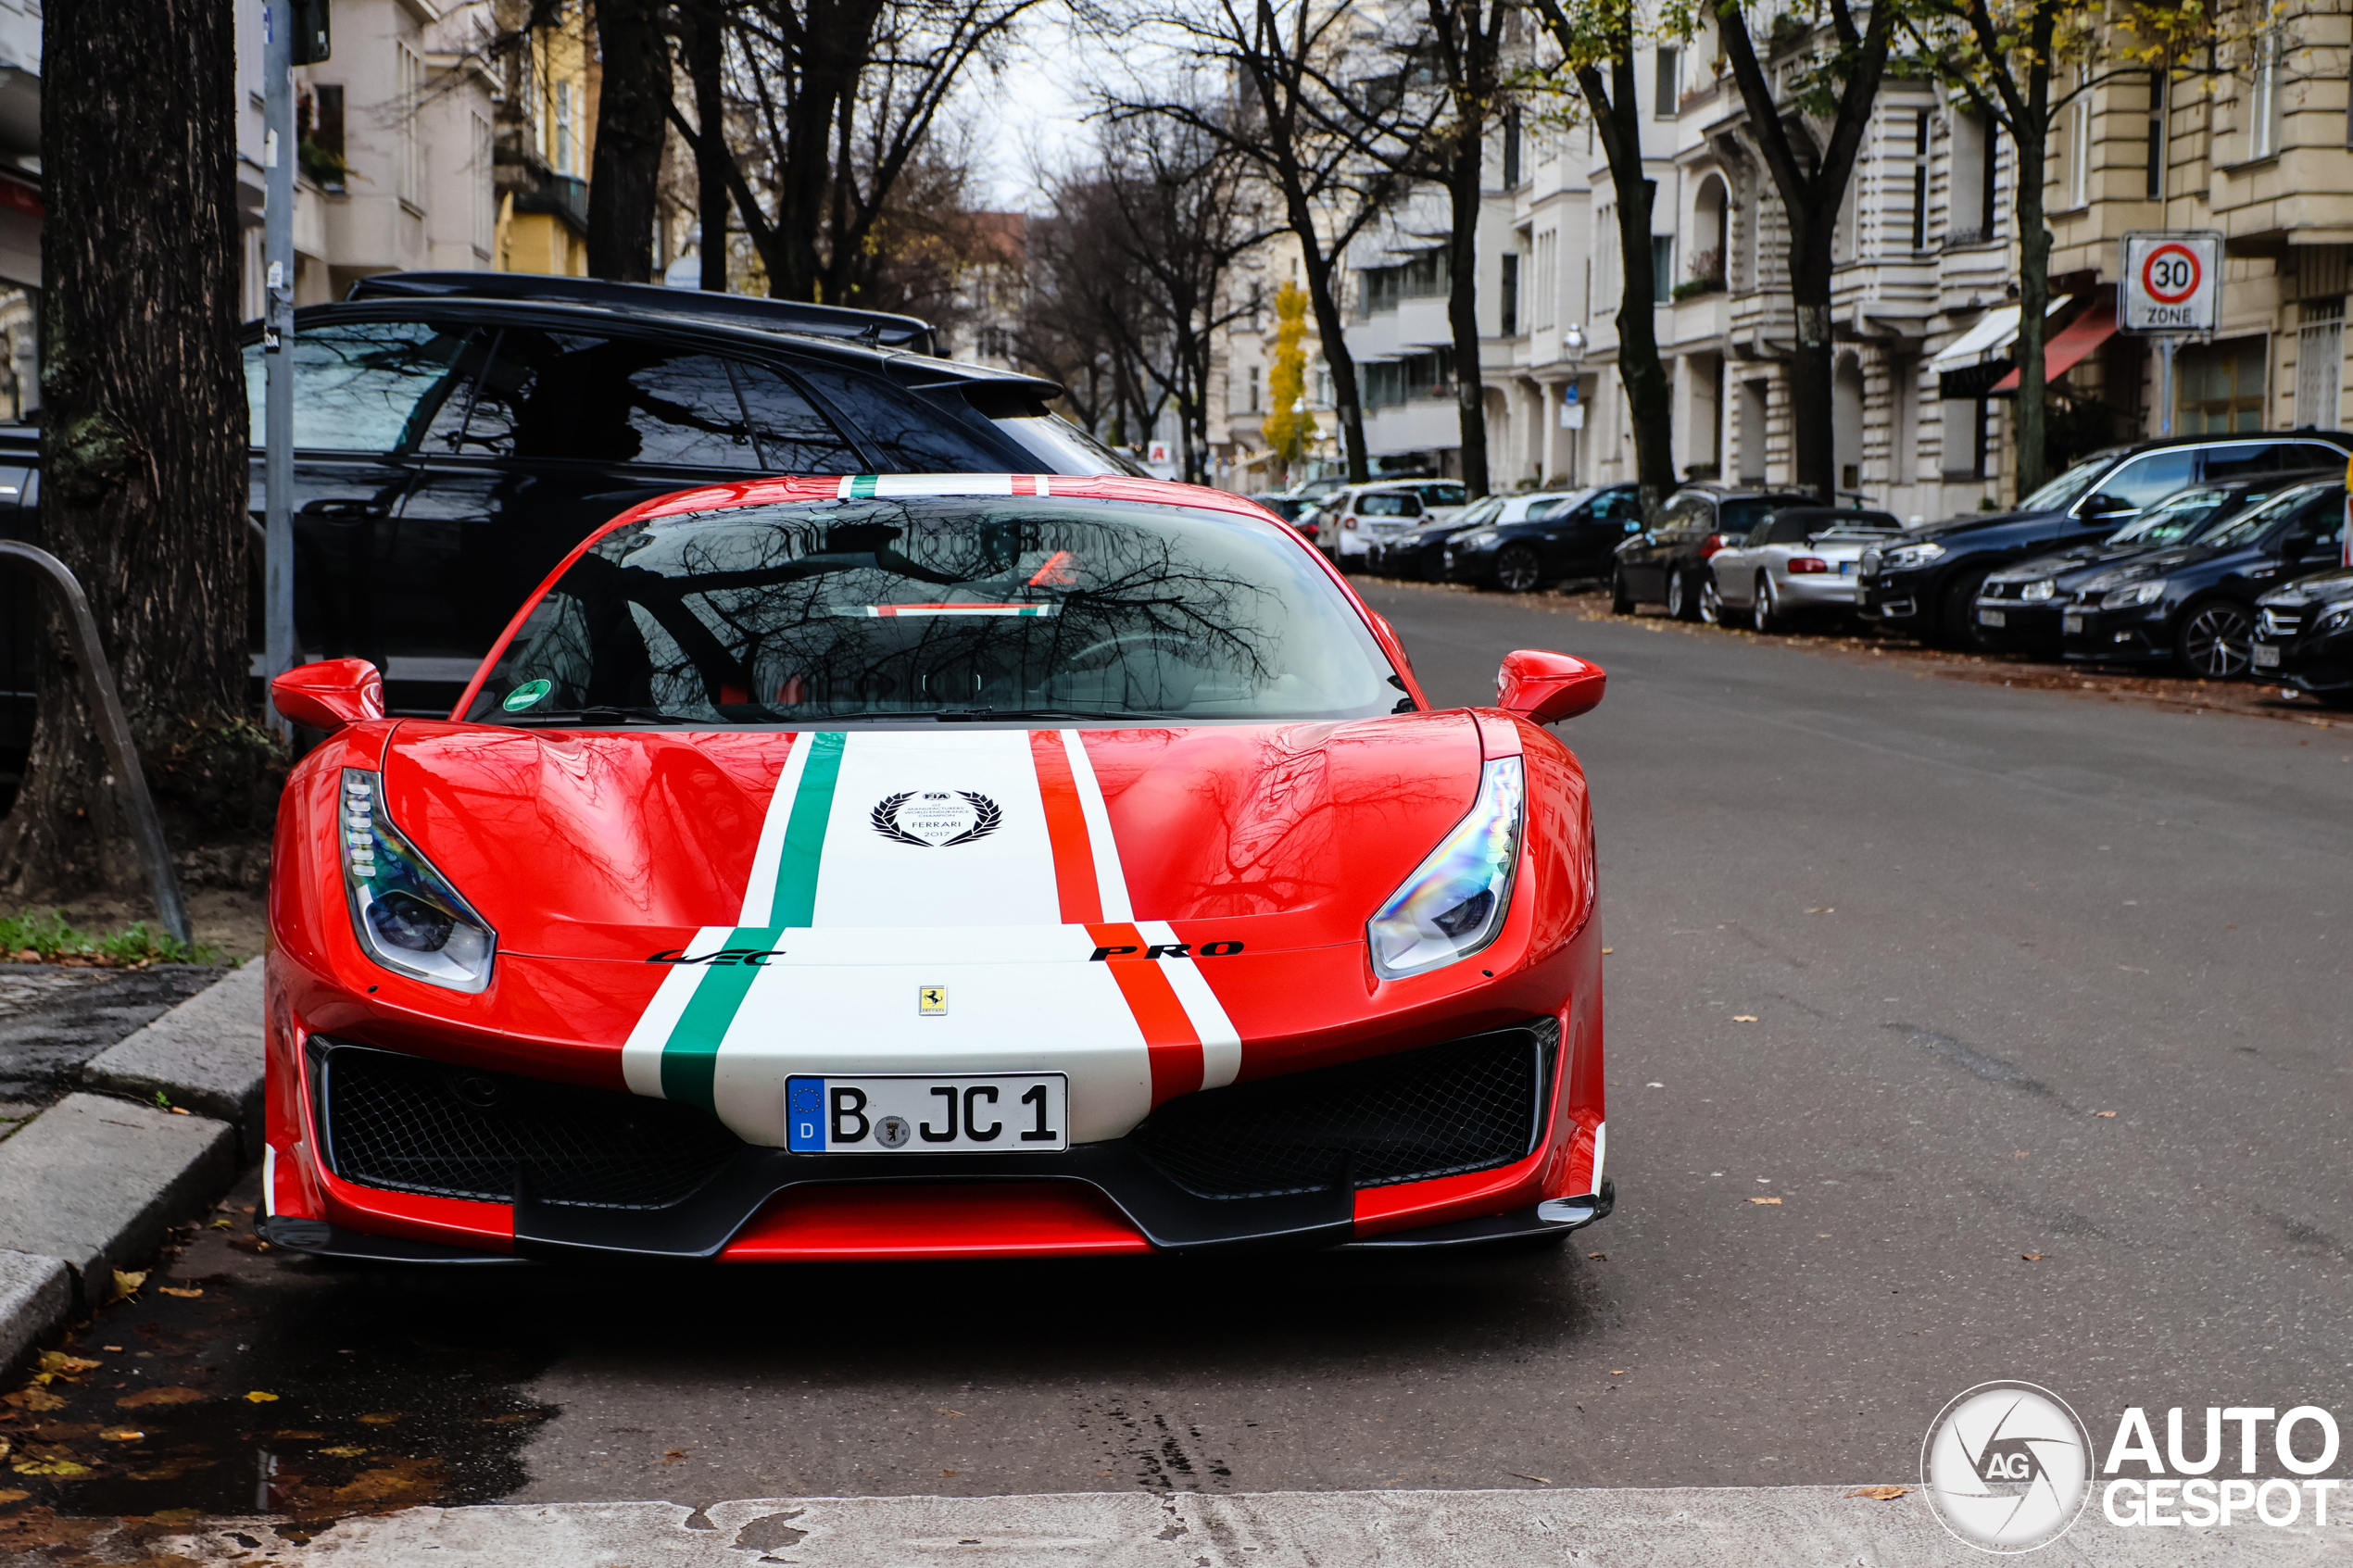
1005 877
1111 882
760 893
641 1053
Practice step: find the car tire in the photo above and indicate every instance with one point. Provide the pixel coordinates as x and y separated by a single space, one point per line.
1622 600
1956 613
1711 602
1682 601
1765 611
1518 569
2213 640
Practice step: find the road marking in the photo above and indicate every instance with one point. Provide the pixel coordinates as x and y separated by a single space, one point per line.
1667 1527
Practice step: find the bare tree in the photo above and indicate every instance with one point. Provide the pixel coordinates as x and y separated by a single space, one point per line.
633 40
143 430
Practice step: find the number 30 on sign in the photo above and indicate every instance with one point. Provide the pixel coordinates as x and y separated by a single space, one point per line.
2172 281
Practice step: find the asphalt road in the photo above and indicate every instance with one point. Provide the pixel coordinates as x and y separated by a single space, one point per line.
1966 921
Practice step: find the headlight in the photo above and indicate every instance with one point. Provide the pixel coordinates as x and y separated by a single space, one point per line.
407 916
2042 588
1454 902
1904 556
2135 594
2339 617
1477 539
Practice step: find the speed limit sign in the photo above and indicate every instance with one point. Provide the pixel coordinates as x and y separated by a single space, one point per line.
2171 280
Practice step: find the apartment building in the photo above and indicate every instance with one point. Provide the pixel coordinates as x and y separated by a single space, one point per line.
544 139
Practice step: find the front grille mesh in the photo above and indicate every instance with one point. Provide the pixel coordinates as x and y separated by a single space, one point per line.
1467 1105
410 1126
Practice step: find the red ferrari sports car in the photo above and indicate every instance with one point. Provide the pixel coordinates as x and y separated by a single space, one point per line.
935 866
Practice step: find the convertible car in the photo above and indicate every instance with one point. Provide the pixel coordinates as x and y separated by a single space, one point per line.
935 866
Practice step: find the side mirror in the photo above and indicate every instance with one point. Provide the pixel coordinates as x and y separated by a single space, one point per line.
330 695
1545 688
2103 505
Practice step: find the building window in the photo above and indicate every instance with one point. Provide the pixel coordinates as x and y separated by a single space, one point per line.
1670 67
408 159
560 153
1254 389
2079 146
1963 442
2319 355
2264 117
1507 298
1662 266
2219 387
2156 185
1919 180
1547 281
479 177
1511 147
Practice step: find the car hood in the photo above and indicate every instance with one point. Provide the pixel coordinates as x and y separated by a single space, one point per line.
1952 526
2327 587
616 844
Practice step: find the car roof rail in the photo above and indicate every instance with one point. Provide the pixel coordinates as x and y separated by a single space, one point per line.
874 328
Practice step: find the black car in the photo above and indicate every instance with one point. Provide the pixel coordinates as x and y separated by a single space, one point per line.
1520 543
2019 608
1419 554
1927 584
2304 636
1662 565
2192 606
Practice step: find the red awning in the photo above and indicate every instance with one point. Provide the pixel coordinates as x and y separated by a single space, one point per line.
2063 352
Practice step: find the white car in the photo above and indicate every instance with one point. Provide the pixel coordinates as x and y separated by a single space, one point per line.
1388 509
1799 559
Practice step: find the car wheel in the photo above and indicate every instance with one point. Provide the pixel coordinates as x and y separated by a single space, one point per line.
1621 600
1956 613
1711 603
2215 640
1765 611
1681 603
1518 569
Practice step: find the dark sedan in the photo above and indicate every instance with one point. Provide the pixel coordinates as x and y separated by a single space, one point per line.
1665 565
2192 606
1927 582
1520 543
2019 608
2304 636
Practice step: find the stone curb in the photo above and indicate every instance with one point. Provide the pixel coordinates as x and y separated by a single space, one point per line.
206 1054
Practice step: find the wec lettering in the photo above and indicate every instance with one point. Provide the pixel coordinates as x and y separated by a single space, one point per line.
755 957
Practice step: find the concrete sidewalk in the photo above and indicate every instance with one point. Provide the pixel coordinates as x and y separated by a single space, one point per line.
1676 1527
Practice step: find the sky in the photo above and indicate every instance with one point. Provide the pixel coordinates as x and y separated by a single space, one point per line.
1032 113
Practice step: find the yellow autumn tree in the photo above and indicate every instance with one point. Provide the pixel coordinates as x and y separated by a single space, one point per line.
1289 427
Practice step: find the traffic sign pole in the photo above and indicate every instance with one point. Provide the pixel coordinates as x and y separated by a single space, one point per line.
2170 287
2164 386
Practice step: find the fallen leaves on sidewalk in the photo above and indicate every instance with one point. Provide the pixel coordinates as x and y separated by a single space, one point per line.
170 1394
127 1284
1881 1494
34 1399
2033 1257
1539 1480
1770 1202
260 1397
58 1361
2109 1113
121 1434
1743 1018
183 1295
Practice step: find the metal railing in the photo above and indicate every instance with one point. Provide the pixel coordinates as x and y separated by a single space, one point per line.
114 733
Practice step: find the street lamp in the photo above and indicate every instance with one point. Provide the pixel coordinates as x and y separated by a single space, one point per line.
1573 351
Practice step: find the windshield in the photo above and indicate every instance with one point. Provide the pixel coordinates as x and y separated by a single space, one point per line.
1483 512
2174 520
2061 492
1066 448
960 607
2250 526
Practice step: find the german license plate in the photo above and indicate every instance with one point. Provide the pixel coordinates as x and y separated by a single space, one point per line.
1846 569
917 1113
1991 618
2267 657
2070 624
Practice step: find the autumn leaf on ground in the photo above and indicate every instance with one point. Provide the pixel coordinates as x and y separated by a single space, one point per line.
183 1295
34 1399
258 1398
57 1465
168 1395
12 1494
222 1224
57 1360
671 1456
1743 1018
2108 1113
1881 1494
380 1418
342 1451
2033 1257
1598 1257
248 1244
1769 1202
121 1433
126 1284
1826 911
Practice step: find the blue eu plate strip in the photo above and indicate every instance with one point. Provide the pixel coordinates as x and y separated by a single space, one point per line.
805 1115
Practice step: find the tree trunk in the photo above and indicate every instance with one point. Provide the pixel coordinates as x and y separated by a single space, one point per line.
1348 404
1461 298
1618 121
143 429
625 175
1812 441
706 41
2034 267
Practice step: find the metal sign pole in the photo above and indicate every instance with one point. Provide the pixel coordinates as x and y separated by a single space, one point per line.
2164 386
277 338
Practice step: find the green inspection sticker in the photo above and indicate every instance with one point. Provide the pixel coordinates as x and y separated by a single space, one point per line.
522 697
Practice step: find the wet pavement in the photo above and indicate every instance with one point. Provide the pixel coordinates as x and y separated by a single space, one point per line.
55 1017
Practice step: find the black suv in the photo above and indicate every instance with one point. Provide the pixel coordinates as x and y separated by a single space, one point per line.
1927 581
457 433
1665 565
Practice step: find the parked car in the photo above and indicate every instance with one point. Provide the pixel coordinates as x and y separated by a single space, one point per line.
1283 504
1528 541
456 433
1383 512
1927 584
2192 606
2019 608
1800 560
1665 565
1419 554
2304 636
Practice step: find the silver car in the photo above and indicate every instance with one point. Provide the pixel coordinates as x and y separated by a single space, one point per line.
1800 560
